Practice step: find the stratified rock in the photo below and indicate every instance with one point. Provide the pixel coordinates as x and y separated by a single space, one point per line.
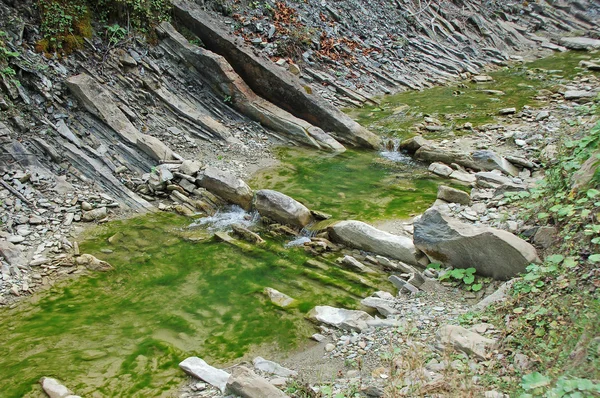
385 307
492 252
365 237
580 43
264 365
12 254
227 186
489 160
340 318
471 343
54 389
572 95
190 167
440 169
247 384
355 265
282 208
92 263
197 367
278 298
247 235
412 145
453 195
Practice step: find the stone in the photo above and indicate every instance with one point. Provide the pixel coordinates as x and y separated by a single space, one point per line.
54 389
272 368
440 169
401 284
329 347
92 263
412 145
12 254
198 368
580 43
485 178
492 252
507 111
247 235
463 176
190 167
227 186
282 208
384 307
247 384
542 115
278 298
482 78
365 237
545 236
355 265
453 195
461 339
340 318
579 94
498 296
95 214
489 160
495 394
318 337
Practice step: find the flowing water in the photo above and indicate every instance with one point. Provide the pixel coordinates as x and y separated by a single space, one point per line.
175 292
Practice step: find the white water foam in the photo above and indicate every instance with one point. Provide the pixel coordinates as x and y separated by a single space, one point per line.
225 218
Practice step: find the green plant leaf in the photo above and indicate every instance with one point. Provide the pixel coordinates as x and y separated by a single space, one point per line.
435 266
542 216
596 241
594 258
476 287
592 193
534 380
570 262
555 258
469 279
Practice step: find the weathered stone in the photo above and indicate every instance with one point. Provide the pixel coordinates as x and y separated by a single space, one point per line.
227 186
197 367
384 307
355 265
92 263
488 160
247 235
413 144
282 208
12 254
54 389
492 252
278 298
453 195
440 169
340 318
507 111
545 236
580 43
401 284
572 95
365 237
271 367
95 214
190 167
471 343
247 384
463 176
485 178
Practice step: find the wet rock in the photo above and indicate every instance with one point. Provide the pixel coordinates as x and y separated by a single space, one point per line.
92 263
340 318
282 208
492 252
413 144
227 186
365 237
272 368
247 384
453 195
461 339
198 368
278 298
247 235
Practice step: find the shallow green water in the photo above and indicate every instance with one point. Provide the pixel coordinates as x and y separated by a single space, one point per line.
123 333
458 104
352 185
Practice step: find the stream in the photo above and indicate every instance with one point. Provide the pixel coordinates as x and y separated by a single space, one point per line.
176 292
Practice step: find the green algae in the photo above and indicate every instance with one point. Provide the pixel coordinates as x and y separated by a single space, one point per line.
468 102
351 185
123 333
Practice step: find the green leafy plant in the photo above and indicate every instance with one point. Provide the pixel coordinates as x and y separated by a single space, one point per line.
464 277
115 33
538 385
5 55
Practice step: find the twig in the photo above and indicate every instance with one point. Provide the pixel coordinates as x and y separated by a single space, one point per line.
17 194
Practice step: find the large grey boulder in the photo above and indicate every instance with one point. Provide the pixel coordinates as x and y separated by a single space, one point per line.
227 186
339 317
247 384
197 367
282 208
365 237
492 252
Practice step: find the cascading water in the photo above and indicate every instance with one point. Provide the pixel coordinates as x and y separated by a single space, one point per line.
392 152
225 218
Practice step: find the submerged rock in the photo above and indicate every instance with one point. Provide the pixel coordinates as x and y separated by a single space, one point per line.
282 208
340 318
247 384
492 252
365 237
197 367
227 186
278 298
92 263
54 389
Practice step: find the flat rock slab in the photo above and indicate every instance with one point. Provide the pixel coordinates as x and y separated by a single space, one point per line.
471 343
492 252
270 367
340 318
247 384
279 299
366 237
227 186
580 43
384 307
197 367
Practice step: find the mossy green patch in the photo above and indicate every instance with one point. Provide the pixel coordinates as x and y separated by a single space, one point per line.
123 333
351 185
476 103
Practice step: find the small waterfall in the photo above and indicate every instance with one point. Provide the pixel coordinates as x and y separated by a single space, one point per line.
392 152
225 218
